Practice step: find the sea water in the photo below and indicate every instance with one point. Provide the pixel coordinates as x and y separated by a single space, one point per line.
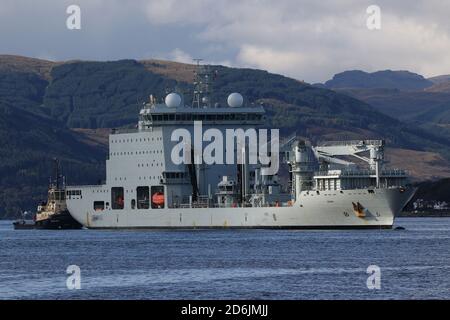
227 264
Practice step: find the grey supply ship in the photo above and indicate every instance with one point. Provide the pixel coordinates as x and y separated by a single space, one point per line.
53 213
145 189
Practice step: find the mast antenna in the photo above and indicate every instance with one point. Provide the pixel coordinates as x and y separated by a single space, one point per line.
197 85
202 85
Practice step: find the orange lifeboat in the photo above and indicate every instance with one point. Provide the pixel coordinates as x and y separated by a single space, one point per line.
158 199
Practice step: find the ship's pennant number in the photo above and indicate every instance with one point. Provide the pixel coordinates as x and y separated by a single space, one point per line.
345 213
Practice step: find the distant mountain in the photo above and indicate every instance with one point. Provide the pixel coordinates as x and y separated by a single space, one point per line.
440 79
427 110
411 106
64 110
388 79
409 97
440 84
443 87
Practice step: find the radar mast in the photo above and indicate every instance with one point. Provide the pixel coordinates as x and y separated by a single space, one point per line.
202 85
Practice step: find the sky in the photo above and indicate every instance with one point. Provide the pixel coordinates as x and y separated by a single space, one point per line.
308 40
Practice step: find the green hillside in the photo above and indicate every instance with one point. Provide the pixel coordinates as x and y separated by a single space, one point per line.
109 94
28 143
100 94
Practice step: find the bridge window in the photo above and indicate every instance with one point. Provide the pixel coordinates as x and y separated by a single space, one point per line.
117 198
75 193
59 195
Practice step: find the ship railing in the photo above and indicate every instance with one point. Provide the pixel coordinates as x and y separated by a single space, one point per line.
350 143
354 173
200 205
175 180
193 205
202 201
86 186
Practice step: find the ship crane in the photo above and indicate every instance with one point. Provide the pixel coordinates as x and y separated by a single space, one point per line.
328 151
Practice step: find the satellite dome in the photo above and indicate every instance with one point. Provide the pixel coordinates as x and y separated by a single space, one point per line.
173 100
235 100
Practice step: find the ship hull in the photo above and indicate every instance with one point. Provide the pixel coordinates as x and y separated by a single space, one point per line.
313 210
58 221
24 224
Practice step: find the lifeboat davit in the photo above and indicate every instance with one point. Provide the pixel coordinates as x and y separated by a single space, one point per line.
158 199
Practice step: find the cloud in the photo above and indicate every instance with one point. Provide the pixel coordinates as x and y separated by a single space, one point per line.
179 12
313 40
179 55
280 61
305 39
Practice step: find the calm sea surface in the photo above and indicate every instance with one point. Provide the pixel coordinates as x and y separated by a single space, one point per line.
228 264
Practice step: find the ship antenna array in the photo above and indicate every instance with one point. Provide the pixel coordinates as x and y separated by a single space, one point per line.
58 175
202 85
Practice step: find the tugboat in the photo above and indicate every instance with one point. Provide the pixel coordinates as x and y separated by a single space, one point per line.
53 213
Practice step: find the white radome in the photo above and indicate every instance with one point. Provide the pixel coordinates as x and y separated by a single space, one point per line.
173 100
235 100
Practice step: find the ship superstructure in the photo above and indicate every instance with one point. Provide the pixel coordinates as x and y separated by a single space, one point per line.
147 187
